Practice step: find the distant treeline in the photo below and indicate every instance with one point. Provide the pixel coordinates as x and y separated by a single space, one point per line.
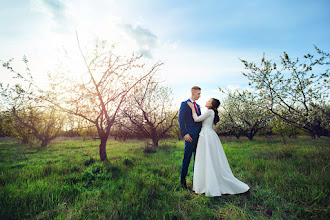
287 100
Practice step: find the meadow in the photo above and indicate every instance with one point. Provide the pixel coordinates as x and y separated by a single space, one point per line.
68 181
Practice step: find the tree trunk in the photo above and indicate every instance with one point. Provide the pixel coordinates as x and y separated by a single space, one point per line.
155 142
25 140
103 151
250 136
44 143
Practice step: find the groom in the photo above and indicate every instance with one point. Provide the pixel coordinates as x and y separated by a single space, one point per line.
189 130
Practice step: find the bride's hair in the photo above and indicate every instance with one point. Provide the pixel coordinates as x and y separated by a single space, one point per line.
215 106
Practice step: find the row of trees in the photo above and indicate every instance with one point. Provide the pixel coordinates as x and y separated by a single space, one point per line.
111 86
122 97
241 115
287 98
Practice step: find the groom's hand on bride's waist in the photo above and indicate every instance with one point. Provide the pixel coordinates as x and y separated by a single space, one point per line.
187 138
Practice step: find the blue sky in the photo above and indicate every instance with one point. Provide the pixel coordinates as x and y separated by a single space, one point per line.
200 42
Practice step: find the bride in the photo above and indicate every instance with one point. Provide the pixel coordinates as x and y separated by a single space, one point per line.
212 174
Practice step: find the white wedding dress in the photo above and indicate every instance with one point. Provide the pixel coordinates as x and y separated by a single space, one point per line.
212 174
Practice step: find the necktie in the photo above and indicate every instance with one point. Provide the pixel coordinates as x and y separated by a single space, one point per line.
196 108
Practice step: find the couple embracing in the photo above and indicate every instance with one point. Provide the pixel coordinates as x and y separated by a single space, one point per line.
212 173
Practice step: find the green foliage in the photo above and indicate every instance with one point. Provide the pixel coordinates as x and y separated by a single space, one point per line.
3 124
43 123
12 127
66 181
127 161
175 131
89 161
86 129
285 130
28 115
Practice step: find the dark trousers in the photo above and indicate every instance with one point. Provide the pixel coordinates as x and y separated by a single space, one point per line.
189 150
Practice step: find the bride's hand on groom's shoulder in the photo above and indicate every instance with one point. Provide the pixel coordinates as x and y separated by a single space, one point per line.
190 104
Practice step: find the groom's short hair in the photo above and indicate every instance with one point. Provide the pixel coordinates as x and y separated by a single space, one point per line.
195 88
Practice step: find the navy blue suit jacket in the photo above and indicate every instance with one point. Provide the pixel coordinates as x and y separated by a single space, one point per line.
186 121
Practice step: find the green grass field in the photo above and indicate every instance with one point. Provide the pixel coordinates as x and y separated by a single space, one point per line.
67 181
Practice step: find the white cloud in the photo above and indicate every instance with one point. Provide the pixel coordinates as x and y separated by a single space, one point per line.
54 12
195 65
144 38
184 65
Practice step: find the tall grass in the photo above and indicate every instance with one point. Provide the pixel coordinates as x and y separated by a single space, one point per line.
67 181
